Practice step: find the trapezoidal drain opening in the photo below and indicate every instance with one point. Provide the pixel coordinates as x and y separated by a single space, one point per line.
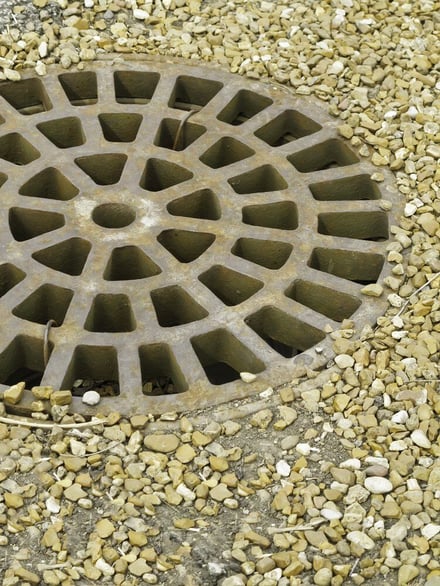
167 228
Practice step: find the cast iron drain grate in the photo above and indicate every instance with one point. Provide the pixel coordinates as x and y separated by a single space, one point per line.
180 225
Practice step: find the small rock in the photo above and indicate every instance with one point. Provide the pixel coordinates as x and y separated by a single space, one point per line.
162 442
13 395
420 439
61 398
361 539
323 577
344 361
283 468
74 492
372 290
378 485
220 492
91 398
248 377
406 574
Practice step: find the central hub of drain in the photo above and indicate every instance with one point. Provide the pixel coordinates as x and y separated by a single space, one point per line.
239 229
113 215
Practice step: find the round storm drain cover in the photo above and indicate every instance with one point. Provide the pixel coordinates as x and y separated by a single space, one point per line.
166 228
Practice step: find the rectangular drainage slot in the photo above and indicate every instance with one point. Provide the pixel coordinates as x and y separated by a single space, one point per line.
135 87
22 361
176 135
223 357
331 303
281 215
288 126
230 286
81 88
175 307
192 93
356 188
161 374
260 180
45 303
328 154
10 275
360 267
93 367
243 106
286 334
110 313
27 96
361 225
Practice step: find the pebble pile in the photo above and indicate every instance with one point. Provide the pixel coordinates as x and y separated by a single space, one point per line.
334 479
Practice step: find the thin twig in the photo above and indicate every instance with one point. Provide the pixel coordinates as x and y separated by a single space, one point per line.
113 445
354 567
405 305
49 324
181 127
309 527
50 425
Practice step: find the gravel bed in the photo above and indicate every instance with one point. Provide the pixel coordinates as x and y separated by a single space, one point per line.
334 479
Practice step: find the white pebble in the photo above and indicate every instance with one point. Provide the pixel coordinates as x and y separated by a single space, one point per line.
303 449
410 209
395 300
430 530
140 14
187 493
283 468
344 360
330 514
378 485
248 377
360 539
351 464
104 567
336 68
89 3
42 49
398 446
400 417
266 393
52 505
91 398
419 438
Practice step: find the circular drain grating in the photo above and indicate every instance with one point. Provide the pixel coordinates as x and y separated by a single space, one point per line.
166 227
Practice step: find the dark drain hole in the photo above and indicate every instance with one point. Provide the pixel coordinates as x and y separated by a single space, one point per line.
97 366
67 257
159 174
270 254
45 303
333 304
202 204
192 93
175 307
103 169
260 180
135 87
230 286
288 126
113 215
110 313
128 263
223 356
360 267
226 151
281 215
80 88
10 276
49 184
120 127
360 187
244 105
28 96
362 225
168 130
16 149
26 224
184 245
328 154
22 361
161 374
286 334
64 132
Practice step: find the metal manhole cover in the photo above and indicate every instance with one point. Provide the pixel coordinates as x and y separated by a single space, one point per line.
166 227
